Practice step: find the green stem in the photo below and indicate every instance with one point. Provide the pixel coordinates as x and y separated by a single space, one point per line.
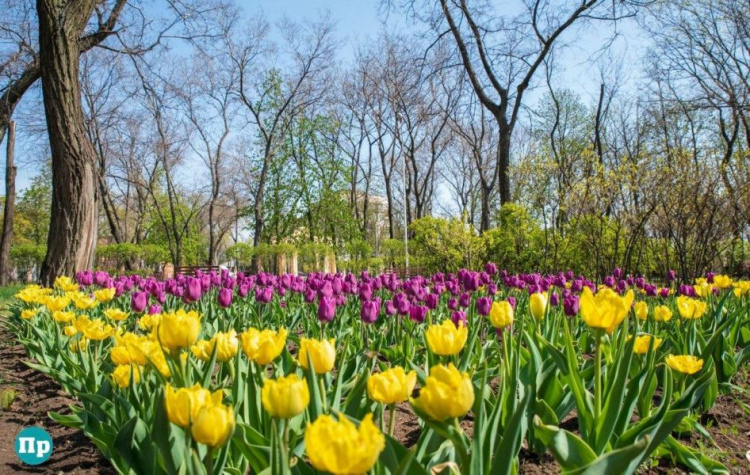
598 376
209 462
286 441
391 418
461 447
323 396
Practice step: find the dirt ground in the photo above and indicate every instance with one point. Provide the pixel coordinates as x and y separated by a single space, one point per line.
728 423
37 394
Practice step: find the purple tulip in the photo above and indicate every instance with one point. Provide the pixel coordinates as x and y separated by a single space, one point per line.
512 302
365 292
402 304
326 309
154 309
263 294
370 310
491 268
418 313
457 317
193 290
310 296
464 300
671 275
325 290
554 299
571 306
225 298
138 301
484 304
664 292
390 308
431 300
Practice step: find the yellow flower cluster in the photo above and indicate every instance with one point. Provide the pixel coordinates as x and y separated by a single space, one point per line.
210 422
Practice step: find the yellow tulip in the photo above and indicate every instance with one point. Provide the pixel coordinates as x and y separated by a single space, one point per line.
97 330
321 352
641 310
213 425
447 393
338 447
63 317
686 364
116 314
722 281
178 329
32 294
155 355
226 344
391 386
66 284
263 346
129 349
741 288
70 331
446 339
121 375
83 301
184 404
703 290
28 314
79 345
643 342
285 397
662 313
606 310
149 322
501 314
105 295
691 309
56 304
538 305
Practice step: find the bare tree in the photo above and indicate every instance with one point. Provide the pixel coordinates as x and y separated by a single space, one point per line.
502 55
273 99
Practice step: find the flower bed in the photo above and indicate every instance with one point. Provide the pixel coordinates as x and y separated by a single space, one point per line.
219 373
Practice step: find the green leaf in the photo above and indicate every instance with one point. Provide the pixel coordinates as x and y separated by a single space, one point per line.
570 451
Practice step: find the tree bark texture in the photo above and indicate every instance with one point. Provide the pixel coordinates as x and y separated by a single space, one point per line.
73 227
10 206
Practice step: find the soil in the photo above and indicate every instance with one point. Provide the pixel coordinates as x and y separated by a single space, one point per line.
728 423
38 394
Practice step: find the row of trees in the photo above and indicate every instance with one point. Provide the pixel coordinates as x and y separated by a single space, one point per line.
191 128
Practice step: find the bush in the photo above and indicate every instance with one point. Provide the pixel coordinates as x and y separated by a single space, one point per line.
445 244
27 255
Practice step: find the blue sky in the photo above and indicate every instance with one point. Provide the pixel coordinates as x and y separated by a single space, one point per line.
359 20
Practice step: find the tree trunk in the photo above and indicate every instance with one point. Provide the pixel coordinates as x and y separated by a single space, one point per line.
484 224
503 160
10 205
73 227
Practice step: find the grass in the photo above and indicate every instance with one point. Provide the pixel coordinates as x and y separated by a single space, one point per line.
6 296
